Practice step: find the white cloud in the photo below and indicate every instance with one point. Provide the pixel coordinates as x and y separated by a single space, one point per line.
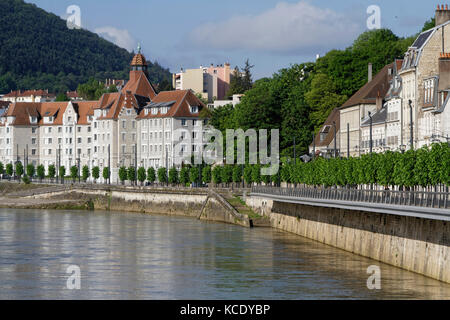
287 28
122 38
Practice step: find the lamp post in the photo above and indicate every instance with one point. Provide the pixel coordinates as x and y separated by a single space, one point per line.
370 138
411 139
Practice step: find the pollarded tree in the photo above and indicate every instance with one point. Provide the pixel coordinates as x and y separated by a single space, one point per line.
141 175
385 168
256 174
217 175
51 172
123 174
19 169
227 174
106 174
237 173
173 176
151 175
62 173
2 168
85 173
248 174
9 169
184 176
74 173
162 175
206 174
30 170
435 163
421 166
444 172
40 171
131 174
95 173
194 175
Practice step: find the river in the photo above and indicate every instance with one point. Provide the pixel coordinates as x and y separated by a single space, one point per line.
137 256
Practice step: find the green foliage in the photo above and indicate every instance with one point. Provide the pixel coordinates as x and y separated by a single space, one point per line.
141 175
423 167
429 24
106 173
62 97
206 174
123 174
237 174
131 174
51 171
30 170
162 175
9 169
227 174
39 51
248 174
241 81
62 172
19 169
74 172
184 176
26 180
85 173
151 175
194 175
173 176
95 173
40 171
256 174
2 168
217 174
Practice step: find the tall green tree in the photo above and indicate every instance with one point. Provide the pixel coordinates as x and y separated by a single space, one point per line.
141 175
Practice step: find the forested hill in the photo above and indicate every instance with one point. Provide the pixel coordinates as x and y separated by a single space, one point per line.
38 51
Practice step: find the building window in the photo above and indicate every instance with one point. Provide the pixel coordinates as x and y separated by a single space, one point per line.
183 122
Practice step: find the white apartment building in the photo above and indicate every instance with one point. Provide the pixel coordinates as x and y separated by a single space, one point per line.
29 96
133 127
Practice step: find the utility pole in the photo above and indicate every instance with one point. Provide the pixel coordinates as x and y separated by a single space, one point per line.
411 141
335 140
370 142
135 164
109 163
348 140
79 172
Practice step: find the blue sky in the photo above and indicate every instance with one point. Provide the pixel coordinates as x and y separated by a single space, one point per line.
272 34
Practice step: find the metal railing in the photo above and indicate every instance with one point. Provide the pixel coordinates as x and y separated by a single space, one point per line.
387 197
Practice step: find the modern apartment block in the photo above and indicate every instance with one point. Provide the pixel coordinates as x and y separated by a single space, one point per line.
211 82
132 127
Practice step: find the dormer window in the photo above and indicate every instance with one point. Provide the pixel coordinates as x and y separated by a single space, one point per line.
33 119
164 110
194 109
146 111
154 110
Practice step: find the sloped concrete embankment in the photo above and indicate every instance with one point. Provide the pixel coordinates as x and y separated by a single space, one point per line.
197 203
415 244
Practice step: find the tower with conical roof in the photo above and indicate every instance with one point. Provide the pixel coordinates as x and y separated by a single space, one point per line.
138 65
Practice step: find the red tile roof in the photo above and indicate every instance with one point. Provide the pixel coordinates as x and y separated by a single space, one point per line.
182 98
28 93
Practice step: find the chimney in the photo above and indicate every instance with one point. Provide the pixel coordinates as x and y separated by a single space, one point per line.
442 14
370 72
379 101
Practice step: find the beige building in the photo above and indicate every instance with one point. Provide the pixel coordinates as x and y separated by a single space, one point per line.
212 82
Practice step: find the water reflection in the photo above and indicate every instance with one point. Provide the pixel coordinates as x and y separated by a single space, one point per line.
132 256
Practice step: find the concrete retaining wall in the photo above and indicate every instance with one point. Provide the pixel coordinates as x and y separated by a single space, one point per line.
415 244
